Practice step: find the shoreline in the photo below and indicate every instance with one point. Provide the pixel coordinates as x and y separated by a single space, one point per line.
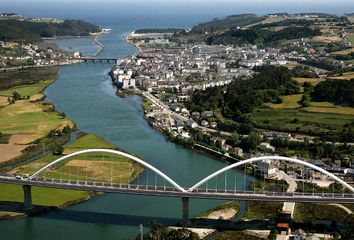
127 40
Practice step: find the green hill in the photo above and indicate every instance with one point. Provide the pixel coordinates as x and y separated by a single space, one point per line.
29 31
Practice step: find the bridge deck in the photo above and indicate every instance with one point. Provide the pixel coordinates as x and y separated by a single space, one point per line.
219 194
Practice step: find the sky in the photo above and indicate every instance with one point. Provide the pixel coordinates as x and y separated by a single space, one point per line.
198 9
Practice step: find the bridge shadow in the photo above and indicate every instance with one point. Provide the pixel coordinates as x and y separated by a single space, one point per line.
47 212
17 207
131 220
106 218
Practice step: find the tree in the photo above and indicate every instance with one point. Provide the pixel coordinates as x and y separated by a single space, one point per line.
251 142
63 115
234 138
58 149
66 129
305 101
16 96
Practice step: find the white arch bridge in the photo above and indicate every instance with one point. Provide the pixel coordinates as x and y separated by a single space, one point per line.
234 186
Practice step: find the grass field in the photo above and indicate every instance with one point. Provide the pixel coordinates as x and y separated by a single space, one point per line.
289 101
351 38
343 52
35 120
42 196
307 212
261 210
345 76
283 119
227 235
92 167
88 141
74 169
27 90
313 81
327 107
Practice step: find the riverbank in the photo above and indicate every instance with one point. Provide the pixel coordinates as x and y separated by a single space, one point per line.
46 199
35 129
130 42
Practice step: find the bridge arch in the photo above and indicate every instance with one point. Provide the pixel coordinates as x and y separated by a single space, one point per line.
257 159
133 158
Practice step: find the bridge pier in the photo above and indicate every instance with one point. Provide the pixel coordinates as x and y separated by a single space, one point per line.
27 196
185 211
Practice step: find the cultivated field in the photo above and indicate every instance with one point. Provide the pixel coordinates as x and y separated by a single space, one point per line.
93 166
35 120
313 81
327 39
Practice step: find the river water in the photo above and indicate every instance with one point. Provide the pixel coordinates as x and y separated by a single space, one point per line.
85 93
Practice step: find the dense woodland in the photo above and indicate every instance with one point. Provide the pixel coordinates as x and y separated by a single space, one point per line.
338 92
233 21
243 95
16 30
261 36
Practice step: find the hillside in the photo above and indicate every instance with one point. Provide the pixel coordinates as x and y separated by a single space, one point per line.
29 31
233 21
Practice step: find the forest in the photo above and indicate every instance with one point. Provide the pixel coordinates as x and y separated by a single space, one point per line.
28 31
338 92
261 36
233 21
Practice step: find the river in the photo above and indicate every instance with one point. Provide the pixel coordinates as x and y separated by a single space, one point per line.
85 93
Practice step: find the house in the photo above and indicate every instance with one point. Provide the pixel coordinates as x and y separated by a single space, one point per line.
180 126
204 123
213 124
192 124
207 114
238 151
196 115
217 141
264 146
225 147
213 140
76 55
267 168
221 142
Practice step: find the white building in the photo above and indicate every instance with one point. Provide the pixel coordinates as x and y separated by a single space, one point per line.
267 168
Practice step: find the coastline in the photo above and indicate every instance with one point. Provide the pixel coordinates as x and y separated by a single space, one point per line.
127 40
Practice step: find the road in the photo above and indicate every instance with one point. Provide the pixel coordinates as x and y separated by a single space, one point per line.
178 116
164 191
